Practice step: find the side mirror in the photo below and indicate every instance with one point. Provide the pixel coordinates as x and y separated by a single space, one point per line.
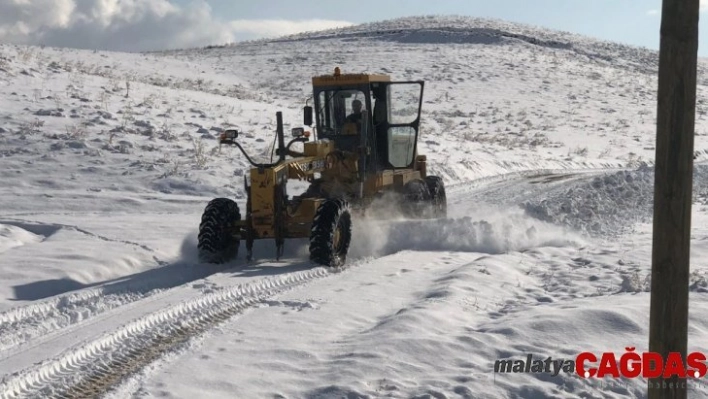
229 135
307 115
298 132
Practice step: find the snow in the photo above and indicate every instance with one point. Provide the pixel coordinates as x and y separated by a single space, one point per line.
545 141
12 237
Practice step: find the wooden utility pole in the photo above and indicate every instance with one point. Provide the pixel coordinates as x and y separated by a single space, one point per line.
673 187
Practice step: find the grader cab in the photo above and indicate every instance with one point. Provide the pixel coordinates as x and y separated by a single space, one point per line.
363 156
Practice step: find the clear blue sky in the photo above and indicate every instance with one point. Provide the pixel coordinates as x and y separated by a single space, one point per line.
629 21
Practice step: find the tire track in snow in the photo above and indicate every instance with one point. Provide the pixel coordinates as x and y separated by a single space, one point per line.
26 323
89 369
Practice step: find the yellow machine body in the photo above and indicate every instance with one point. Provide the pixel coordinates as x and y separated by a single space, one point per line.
336 176
365 147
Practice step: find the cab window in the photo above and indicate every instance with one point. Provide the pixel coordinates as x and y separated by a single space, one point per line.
339 111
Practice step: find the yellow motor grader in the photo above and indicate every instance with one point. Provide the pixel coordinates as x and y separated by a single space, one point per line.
362 157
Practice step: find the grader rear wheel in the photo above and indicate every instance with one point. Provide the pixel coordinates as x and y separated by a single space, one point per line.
416 198
438 198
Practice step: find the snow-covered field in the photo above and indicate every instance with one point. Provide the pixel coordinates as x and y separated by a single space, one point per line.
545 141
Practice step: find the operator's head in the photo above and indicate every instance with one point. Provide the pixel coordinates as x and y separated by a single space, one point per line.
356 106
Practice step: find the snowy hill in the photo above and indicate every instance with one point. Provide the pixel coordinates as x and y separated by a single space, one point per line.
467 30
545 140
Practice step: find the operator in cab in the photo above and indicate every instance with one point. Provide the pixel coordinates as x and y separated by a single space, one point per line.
352 123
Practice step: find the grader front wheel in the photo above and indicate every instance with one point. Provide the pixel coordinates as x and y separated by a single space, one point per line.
216 241
331 233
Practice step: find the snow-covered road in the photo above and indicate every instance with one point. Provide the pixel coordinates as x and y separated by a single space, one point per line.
87 339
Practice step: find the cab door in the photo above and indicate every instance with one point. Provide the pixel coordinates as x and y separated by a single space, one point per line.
397 126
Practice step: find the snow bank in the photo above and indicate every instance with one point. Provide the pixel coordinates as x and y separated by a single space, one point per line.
606 205
12 236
